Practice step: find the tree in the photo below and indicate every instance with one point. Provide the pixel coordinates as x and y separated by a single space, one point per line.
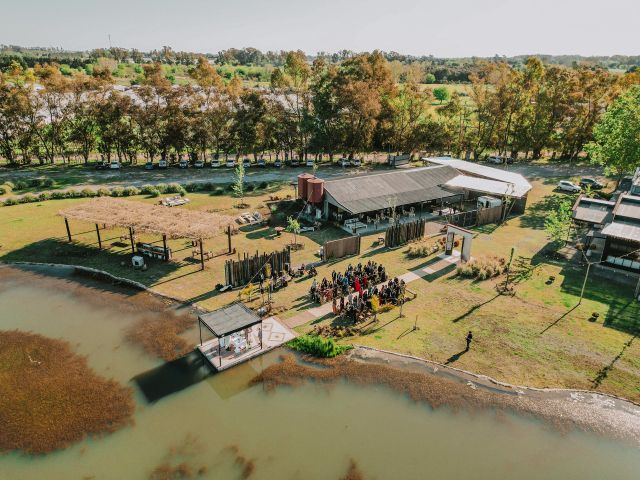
616 143
238 182
293 226
441 94
557 223
430 78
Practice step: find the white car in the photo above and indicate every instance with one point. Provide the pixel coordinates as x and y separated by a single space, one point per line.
215 163
310 162
355 162
198 164
567 186
344 162
494 159
246 163
231 163
162 163
114 165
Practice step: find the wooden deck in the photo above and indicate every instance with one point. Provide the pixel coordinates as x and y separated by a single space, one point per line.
274 334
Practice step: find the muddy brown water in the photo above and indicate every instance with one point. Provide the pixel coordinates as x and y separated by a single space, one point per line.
222 428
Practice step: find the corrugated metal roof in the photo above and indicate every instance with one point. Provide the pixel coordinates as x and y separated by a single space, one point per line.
622 230
483 171
487 186
592 210
227 320
366 193
629 207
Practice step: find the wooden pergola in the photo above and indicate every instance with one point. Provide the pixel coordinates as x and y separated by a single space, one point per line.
146 218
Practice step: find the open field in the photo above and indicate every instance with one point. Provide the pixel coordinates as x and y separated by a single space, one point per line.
537 337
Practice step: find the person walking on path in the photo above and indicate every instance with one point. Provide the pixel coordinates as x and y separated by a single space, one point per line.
469 338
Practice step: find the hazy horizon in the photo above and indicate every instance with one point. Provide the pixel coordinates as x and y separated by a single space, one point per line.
462 28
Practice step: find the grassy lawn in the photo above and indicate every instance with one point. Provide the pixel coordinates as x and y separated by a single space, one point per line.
536 337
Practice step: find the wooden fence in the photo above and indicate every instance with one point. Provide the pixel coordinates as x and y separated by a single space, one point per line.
490 215
341 247
404 233
474 218
240 272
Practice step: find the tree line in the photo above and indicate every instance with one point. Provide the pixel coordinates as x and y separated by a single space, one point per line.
309 108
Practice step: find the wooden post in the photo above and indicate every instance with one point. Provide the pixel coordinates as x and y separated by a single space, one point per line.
99 239
229 236
584 284
66 222
133 248
166 252
201 255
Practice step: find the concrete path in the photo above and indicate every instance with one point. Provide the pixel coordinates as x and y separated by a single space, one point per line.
443 261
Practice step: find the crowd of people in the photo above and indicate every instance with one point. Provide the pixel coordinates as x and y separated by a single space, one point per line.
351 292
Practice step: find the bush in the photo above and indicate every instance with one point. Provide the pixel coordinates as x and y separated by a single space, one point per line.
192 187
20 185
219 191
58 195
117 192
250 187
483 268
10 185
87 192
103 192
47 182
174 188
28 198
10 201
44 196
130 191
318 346
264 185
3 190
161 187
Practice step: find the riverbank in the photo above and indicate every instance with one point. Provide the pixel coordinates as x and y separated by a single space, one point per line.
442 387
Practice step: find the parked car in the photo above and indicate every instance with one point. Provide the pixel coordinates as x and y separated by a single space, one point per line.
246 163
104 165
163 163
495 159
310 162
344 162
510 160
148 166
567 186
277 163
295 162
198 163
215 163
355 162
114 165
262 162
591 182
183 163
231 163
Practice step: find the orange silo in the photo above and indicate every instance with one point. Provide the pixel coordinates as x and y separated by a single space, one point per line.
315 190
303 178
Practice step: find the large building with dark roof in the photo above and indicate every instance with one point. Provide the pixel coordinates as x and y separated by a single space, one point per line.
443 182
613 230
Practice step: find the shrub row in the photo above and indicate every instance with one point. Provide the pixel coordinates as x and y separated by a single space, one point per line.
150 190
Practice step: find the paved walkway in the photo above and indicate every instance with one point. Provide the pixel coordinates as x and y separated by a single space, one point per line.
441 262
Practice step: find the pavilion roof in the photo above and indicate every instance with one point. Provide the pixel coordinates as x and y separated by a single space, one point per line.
144 217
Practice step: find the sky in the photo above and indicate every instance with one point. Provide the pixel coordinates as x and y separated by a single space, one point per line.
443 28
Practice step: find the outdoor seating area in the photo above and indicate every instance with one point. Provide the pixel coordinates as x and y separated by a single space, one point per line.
355 280
247 218
174 201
